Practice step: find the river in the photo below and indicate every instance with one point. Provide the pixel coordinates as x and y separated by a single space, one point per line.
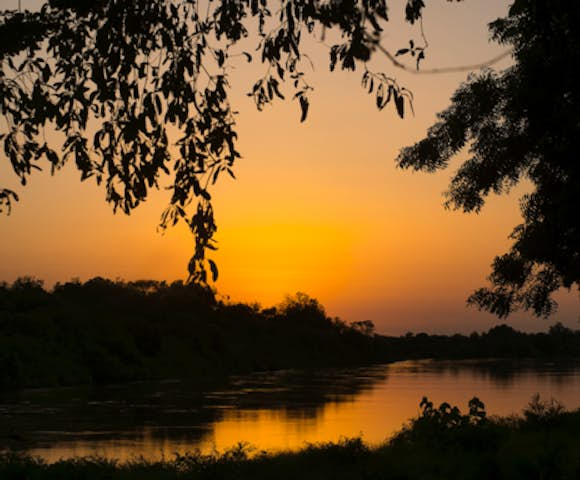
271 411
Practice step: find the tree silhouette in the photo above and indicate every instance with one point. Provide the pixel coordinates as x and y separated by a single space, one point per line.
117 80
520 124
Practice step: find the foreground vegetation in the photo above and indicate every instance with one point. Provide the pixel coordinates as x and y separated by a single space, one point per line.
442 443
104 331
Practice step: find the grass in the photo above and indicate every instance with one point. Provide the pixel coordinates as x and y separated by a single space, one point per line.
442 443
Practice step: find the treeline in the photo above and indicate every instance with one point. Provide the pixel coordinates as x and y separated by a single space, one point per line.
442 443
104 331
501 341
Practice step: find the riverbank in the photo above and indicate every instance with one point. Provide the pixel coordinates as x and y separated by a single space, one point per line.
442 443
103 331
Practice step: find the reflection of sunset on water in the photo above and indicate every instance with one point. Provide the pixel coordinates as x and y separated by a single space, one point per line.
290 410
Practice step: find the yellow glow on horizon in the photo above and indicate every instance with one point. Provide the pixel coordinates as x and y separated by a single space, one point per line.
282 258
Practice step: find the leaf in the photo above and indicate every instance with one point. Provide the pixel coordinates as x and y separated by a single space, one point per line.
289 17
402 51
303 107
46 73
158 105
270 89
365 79
380 97
374 23
221 57
333 57
215 175
280 71
274 84
52 157
214 270
400 104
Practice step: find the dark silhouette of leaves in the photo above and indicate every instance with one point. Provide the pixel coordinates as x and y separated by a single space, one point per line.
520 124
123 81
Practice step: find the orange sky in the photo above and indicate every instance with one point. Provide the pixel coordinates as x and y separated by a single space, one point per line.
318 207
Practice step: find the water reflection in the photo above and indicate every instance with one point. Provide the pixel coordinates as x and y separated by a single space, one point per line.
273 411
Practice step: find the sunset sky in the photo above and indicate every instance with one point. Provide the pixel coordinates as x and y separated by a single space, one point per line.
317 207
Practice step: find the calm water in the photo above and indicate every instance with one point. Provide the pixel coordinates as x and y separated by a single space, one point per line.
272 411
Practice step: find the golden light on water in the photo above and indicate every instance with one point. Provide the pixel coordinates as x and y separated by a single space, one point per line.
276 416
282 430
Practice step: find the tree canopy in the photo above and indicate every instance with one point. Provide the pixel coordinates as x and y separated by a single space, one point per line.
520 124
124 81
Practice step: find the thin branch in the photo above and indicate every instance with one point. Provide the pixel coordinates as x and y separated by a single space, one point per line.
431 71
425 41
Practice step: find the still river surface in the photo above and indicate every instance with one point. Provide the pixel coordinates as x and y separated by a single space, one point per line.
272 411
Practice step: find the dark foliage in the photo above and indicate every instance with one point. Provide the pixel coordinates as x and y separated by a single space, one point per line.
123 82
102 331
499 342
520 124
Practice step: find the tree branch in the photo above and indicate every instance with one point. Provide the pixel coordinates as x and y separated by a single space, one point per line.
432 71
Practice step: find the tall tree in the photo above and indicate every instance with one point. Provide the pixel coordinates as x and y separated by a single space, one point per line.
520 124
